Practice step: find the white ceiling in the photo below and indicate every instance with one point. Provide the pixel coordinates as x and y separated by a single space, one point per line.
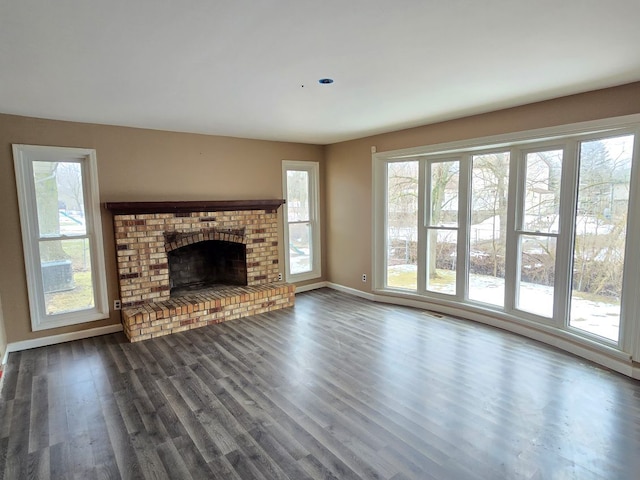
237 67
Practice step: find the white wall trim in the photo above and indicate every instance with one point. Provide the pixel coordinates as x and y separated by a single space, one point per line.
311 286
606 357
63 337
352 291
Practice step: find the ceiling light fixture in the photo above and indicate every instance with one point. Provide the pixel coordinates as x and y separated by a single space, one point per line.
325 81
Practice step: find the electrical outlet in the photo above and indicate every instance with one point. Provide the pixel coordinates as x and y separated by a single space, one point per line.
117 305
364 277
279 277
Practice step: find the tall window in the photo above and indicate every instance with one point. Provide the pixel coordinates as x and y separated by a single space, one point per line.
488 229
402 225
302 220
62 234
537 230
600 235
442 226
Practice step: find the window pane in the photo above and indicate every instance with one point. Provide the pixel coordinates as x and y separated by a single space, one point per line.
489 187
600 232
542 191
298 196
444 194
300 248
66 275
537 273
59 198
402 225
442 257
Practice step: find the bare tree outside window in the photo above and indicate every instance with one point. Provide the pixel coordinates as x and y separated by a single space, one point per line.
540 224
600 231
488 233
442 241
402 224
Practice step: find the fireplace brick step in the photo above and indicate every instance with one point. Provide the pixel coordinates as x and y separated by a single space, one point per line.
195 310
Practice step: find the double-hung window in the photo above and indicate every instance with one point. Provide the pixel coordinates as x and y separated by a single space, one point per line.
537 230
62 234
302 220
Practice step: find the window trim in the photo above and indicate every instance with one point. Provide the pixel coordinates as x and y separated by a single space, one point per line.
24 156
313 170
510 318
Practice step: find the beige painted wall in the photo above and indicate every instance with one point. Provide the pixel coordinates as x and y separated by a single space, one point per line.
134 165
349 166
3 335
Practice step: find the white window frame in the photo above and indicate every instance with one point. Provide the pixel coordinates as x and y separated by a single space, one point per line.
518 144
426 226
313 170
24 156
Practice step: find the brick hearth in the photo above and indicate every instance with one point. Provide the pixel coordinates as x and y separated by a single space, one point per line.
206 308
146 232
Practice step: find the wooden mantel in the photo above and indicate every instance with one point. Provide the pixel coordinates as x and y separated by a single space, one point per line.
131 208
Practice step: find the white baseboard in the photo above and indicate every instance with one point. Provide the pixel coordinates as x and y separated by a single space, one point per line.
602 355
311 286
352 291
64 337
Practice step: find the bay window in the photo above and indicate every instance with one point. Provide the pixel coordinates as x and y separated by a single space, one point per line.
533 228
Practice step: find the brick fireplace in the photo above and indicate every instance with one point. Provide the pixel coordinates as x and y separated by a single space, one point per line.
224 263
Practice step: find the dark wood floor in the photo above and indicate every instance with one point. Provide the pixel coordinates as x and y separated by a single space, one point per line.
336 387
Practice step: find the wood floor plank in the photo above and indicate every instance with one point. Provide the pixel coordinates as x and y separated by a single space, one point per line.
222 468
6 416
150 462
172 461
119 439
59 465
4 447
57 412
39 422
335 388
266 465
195 462
278 454
205 444
18 441
243 466
157 415
316 469
25 375
108 470
262 412
38 464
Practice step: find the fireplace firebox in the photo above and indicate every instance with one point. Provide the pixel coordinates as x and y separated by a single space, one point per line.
205 265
